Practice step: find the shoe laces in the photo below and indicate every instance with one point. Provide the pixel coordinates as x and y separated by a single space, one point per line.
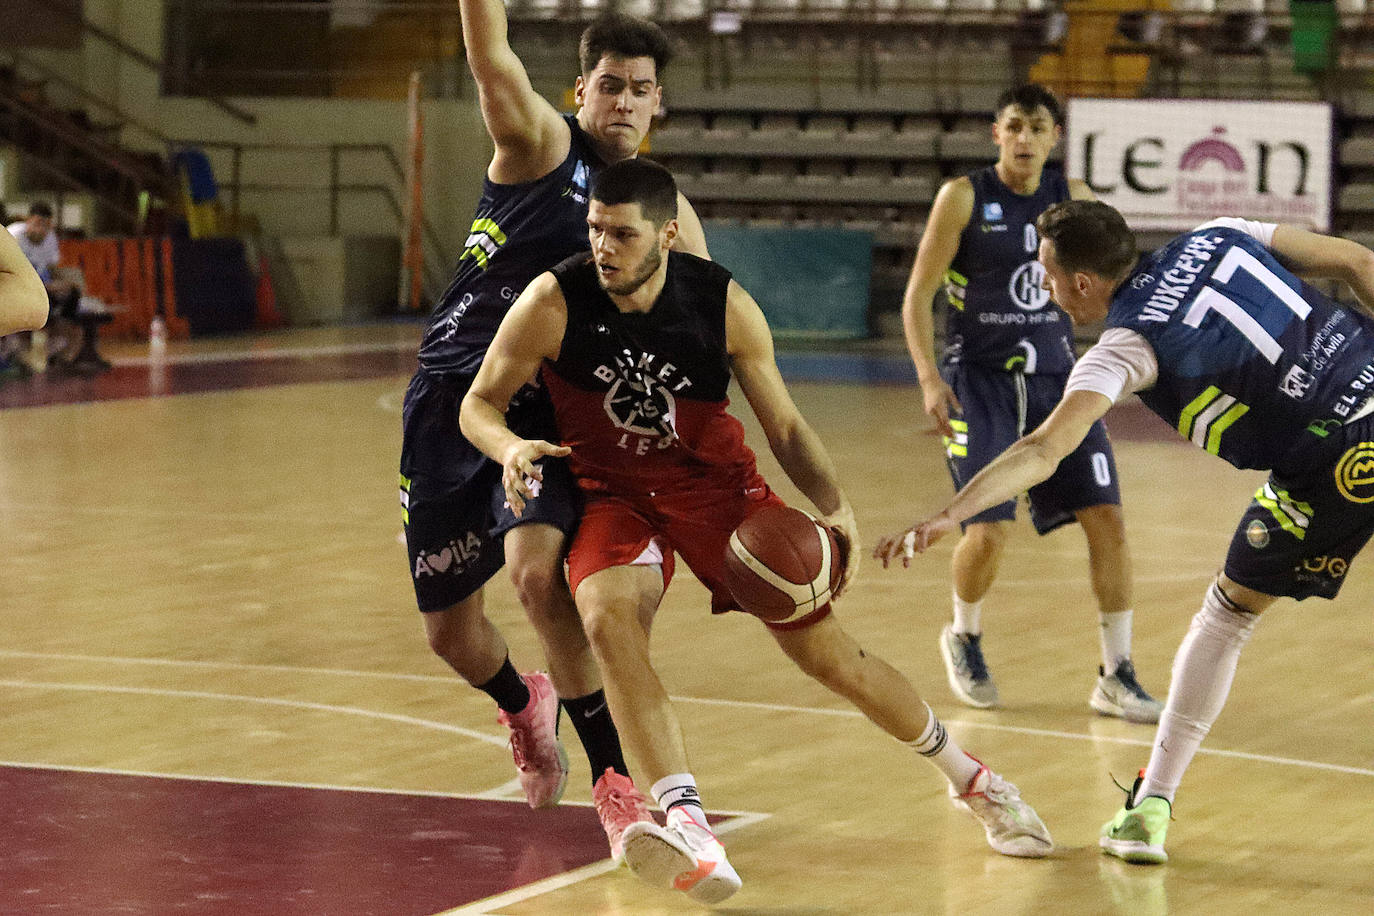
517 747
612 800
973 655
1125 673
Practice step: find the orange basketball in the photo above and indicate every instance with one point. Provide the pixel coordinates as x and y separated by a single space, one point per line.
781 564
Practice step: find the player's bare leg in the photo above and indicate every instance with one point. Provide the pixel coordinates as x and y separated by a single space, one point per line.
977 558
463 637
1117 692
830 655
618 607
534 559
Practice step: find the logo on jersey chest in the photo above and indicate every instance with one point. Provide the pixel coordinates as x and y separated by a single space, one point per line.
640 399
1027 289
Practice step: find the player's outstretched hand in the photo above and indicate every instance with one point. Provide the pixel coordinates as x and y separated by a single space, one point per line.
521 469
846 532
907 543
939 399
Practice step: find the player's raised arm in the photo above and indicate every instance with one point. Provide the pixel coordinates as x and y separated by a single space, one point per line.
531 332
530 137
23 300
939 244
795 444
1313 255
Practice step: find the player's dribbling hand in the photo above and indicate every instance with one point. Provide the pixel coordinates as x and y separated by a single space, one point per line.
911 541
846 532
521 469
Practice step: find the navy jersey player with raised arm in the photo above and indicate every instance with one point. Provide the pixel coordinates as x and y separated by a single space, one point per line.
1221 337
459 530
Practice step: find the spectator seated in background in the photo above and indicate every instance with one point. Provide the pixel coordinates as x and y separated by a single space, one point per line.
38 241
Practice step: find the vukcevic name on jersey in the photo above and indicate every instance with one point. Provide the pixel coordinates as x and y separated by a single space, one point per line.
1252 360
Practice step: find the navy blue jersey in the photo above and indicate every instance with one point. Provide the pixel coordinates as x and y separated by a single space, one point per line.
1000 317
518 232
1252 361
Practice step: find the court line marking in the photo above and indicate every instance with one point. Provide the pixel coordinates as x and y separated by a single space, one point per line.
501 741
489 905
265 701
737 817
245 356
271 783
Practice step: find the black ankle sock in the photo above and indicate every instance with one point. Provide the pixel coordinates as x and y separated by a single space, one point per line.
592 718
508 689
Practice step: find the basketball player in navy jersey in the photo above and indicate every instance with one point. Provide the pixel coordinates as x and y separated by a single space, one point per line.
637 344
23 300
1008 350
1222 340
459 532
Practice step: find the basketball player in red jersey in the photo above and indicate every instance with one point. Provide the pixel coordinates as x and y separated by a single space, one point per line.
637 344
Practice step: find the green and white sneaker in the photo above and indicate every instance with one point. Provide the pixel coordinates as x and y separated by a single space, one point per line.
1137 832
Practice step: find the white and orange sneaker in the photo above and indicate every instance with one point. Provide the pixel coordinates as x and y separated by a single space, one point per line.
1012 826
539 755
684 856
619 805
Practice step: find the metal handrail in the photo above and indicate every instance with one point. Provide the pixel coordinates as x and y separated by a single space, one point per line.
79 139
41 164
235 185
51 75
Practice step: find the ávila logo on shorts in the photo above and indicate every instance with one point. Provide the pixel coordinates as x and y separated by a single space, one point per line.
1355 473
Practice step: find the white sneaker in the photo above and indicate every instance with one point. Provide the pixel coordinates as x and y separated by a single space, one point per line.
1012 826
1119 694
685 856
966 669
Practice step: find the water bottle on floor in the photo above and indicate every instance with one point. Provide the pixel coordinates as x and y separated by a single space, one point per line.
157 336
38 351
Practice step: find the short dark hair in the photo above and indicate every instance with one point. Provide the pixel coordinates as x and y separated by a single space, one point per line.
620 35
40 208
1090 236
1029 97
638 181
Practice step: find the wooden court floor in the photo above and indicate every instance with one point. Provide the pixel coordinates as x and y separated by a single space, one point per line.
215 696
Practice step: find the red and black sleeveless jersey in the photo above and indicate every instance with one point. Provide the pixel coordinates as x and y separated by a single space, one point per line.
641 397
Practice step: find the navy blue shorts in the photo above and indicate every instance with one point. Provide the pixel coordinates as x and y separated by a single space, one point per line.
1303 528
1000 407
452 503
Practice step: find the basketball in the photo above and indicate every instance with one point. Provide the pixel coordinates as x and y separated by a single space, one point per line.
781 564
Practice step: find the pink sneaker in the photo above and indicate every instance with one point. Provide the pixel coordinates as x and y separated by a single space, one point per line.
539 755
618 804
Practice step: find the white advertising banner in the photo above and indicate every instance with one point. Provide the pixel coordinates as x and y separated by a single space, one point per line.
1174 163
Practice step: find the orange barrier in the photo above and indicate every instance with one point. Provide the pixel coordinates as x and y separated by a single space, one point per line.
125 275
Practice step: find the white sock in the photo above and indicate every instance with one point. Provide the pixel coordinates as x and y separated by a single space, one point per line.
967 615
1201 679
939 748
678 792
1115 632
